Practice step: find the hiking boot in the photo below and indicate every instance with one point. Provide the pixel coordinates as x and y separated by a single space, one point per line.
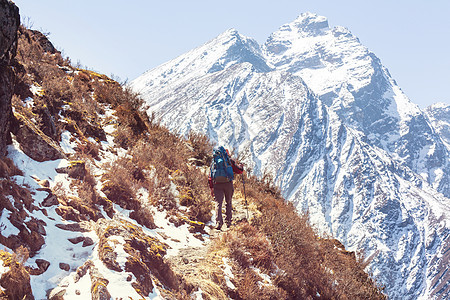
218 226
229 224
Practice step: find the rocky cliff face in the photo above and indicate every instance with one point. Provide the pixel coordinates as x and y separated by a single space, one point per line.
439 115
9 20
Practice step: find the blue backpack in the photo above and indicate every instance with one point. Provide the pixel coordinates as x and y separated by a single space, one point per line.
221 169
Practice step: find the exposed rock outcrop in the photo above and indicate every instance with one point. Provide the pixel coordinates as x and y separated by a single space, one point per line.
34 142
10 20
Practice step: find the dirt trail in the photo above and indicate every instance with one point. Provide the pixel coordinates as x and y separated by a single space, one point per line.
195 263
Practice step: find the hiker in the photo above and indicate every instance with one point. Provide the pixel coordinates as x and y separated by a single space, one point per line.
221 182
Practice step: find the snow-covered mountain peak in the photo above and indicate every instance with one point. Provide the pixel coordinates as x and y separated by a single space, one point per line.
306 25
351 80
229 34
225 50
237 48
314 46
309 23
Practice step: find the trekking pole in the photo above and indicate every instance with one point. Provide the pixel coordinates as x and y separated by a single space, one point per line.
245 196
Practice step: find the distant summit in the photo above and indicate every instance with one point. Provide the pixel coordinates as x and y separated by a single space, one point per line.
238 49
309 24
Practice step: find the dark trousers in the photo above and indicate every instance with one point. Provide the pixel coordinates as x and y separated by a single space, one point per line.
222 190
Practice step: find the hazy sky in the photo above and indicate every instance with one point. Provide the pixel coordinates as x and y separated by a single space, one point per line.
126 38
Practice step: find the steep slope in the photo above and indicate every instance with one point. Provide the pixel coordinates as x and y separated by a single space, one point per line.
439 115
352 81
360 185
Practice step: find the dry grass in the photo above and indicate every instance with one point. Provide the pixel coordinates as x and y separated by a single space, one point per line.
310 265
122 182
63 100
201 147
8 168
16 281
160 158
153 166
250 249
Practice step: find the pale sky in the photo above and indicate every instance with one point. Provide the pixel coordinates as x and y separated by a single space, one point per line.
127 38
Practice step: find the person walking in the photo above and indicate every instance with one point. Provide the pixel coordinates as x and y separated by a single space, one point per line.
220 181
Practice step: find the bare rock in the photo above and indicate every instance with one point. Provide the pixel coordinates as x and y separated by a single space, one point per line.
33 240
35 143
77 239
42 264
57 294
99 290
76 169
50 200
64 266
88 242
37 226
108 256
45 183
68 213
73 227
82 270
10 20
9 14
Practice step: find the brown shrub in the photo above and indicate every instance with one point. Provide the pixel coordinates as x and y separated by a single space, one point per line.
120 194
8 168
165 156
16 281
62 86
257 187
202 205
248 287
249 249
88 148
144 217
201 148
306 260
122 181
